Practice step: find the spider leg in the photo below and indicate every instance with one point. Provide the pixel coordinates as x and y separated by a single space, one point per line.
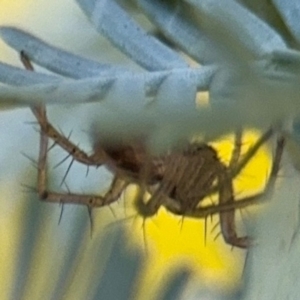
227 218
47 130
117 187
78 155
238 140
158 198
59 139
150 208
236 167
228 205
159 195
226 195
92 201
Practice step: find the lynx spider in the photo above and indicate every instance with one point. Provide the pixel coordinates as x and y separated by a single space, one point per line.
179 181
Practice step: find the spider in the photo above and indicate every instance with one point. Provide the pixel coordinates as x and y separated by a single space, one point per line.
178 180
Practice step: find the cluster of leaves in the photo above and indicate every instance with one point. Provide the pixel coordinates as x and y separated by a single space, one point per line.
249 67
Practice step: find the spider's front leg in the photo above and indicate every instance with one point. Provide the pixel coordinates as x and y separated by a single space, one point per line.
151 207
164 187
97 158
47 130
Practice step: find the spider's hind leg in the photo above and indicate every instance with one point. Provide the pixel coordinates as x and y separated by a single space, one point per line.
227 204
227 217
226 193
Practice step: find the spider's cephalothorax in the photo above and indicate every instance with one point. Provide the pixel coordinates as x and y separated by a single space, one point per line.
178 180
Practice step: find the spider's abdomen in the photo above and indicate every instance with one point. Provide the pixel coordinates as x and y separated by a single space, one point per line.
190 175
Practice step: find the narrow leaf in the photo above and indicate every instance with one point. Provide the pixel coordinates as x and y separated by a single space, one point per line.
52 58
119 27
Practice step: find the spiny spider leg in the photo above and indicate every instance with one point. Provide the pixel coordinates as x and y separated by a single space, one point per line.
58 138
158 196
66 144
236 153
227 218
227 205
226 195
235 170
236 167
117 187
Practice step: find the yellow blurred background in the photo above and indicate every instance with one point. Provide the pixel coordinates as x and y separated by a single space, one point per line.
167 242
